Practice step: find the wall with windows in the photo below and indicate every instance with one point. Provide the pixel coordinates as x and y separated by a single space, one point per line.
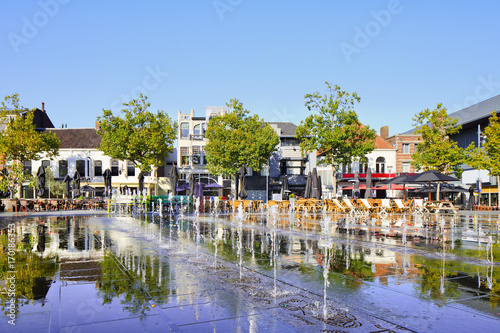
405 145
190 141
91 164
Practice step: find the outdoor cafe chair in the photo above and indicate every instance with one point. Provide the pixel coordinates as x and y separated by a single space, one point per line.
418 206
367 207
353 210
284 205
338 207
400 206
385 207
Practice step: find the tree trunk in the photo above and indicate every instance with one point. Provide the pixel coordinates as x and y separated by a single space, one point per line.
236 183
334 181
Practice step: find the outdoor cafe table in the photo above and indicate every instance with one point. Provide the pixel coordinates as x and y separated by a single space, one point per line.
438 206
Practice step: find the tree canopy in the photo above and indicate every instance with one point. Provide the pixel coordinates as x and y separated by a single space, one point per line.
19 139
21 142
236 139
334 129
488 157
141 136
437 151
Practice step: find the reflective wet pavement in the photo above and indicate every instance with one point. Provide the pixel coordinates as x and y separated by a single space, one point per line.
93 273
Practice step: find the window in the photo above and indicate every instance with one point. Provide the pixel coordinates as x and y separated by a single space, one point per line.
363 165
346 168
289 142
405 148
196 154
184 155
405 167
184 130
97 168
380 165
80 167
63 168
197 130
130 168
114 168
46 163
290 167
27 167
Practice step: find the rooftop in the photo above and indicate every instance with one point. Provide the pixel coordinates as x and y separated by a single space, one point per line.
82 138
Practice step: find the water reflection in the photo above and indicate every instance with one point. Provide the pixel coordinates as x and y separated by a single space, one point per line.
133 264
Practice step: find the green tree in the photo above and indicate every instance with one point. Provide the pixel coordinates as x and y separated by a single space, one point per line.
16 176
19 139
334 130
236 139
488 157
141 136
437 151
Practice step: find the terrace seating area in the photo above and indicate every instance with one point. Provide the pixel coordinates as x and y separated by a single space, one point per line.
44 205
352 207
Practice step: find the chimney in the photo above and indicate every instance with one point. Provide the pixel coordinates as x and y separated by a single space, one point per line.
97 126
384 132
43 107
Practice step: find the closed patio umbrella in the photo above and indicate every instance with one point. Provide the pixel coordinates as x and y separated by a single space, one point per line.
199 190
41 181
308 190
191 183
320 187
242 173
76 184
285 188
67 180
368 192
107 183
315 192
174 176
140 178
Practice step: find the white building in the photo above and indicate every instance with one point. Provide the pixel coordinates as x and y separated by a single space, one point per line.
191 142
79 151
381 161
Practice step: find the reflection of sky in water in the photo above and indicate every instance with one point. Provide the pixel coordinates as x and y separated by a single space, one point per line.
370 268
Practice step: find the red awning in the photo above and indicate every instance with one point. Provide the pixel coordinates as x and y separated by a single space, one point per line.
383 187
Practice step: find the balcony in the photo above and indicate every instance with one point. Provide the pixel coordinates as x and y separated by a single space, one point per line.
194 137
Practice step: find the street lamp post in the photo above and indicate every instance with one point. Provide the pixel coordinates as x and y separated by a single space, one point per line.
479 185
265 170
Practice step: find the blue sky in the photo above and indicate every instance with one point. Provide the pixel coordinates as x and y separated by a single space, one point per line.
399 56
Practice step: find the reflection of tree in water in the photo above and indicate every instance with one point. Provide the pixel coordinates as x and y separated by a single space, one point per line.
33 272
146 281
431 280
358 268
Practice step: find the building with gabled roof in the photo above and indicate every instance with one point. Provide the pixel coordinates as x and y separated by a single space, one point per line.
381 161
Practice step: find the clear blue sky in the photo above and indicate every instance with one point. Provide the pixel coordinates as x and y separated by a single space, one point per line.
399 56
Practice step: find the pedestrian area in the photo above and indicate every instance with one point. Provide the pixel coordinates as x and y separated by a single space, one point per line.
100 273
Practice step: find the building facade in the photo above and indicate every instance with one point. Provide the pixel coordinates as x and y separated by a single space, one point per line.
191 141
